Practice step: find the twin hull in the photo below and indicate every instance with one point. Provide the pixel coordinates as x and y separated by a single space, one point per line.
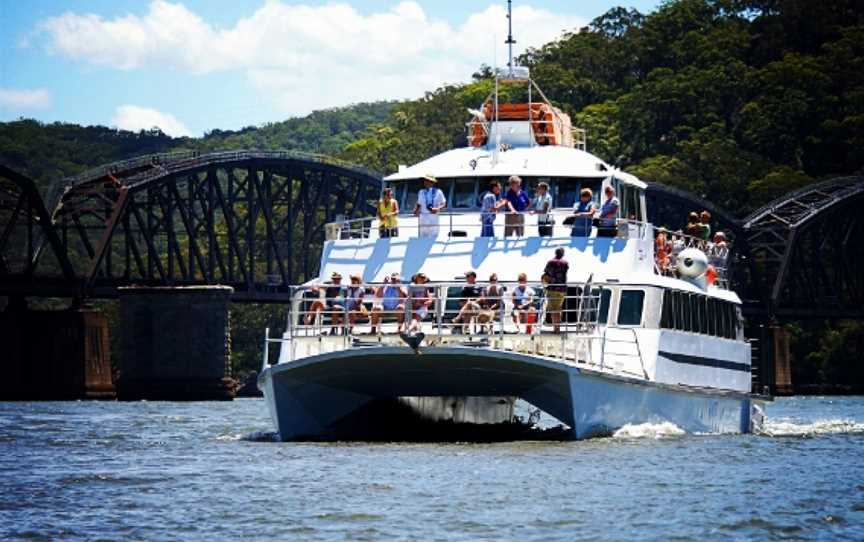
308 398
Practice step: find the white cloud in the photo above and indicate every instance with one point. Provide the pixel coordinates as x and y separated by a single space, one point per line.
305 57
20 100
136 118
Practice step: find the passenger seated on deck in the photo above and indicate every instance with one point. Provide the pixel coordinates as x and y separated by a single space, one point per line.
390 300
490 302
333 303
421 299
354 301
469 301
523 303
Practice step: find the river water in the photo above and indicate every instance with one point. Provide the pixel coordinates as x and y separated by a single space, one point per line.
211 471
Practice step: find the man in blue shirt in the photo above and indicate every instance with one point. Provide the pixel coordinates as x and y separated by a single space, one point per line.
517 202
492 201
608 214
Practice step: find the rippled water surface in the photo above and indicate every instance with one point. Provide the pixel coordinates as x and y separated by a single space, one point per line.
209 471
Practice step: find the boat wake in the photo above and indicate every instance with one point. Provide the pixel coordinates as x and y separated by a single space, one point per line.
784 427
648 430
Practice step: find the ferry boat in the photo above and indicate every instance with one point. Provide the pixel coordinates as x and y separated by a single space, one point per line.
643 337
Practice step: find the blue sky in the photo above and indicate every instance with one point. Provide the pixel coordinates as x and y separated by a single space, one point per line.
190 66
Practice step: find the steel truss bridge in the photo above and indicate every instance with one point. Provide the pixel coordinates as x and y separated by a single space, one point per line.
255 221
250 220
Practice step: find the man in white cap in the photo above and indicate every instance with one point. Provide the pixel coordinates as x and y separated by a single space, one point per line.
430 202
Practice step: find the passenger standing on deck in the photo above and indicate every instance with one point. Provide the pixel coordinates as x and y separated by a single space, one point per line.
542 204
694 227
705 225
430 202
491 203
556 292
583 213
388 210
514 220
608 214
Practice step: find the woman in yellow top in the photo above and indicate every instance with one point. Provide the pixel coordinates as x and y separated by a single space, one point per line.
388 210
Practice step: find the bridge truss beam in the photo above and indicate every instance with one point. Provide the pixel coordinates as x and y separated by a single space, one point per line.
226 218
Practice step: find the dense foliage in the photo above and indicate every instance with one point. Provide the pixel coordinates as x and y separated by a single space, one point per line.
736 100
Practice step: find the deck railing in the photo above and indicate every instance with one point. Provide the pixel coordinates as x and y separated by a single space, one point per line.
470 224
448 318
669 244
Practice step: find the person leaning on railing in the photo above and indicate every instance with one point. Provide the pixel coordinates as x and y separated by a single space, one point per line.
388 210
491 203
583 214
541 206
608 214
430 202
518 201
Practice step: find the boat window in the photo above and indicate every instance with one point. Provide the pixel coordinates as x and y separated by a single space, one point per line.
412 188
566 190
464 194
720 317
630 307
446 185
732 322
678 307
689 311
666 315
605 297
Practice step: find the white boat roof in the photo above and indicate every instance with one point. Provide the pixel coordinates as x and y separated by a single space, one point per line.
536 161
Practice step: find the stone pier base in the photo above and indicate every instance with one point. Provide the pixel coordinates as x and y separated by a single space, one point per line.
175 344
54 355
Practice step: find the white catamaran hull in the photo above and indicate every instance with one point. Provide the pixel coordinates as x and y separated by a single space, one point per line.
308 398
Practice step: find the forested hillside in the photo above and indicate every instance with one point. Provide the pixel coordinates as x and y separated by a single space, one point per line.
736 100
47 152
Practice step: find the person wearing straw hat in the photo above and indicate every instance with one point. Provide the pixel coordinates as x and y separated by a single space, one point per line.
420 297
430 202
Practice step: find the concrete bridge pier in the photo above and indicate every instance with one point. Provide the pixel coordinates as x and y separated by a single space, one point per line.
175 344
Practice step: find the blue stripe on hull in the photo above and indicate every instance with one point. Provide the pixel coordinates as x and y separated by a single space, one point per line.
602 405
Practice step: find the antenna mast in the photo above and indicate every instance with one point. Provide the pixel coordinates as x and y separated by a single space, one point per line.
510 41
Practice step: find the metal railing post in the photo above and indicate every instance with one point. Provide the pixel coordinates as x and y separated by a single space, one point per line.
266 350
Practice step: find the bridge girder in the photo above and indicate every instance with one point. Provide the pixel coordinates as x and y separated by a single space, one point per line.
251 220
25 226
810 240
